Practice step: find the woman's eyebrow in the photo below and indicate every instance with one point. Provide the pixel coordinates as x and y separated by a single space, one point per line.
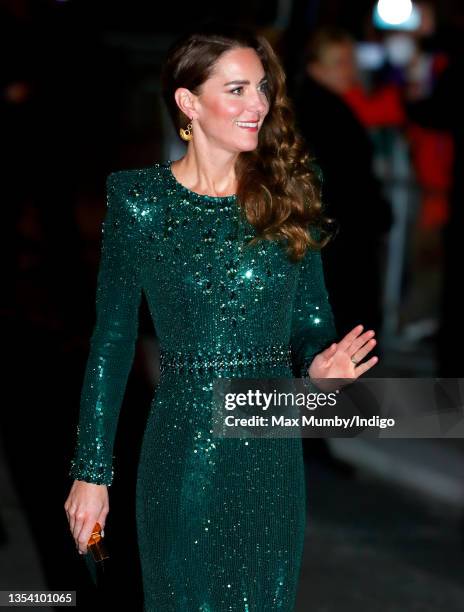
243 81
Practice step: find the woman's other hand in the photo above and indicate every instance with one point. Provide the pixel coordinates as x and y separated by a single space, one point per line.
87 504
342 359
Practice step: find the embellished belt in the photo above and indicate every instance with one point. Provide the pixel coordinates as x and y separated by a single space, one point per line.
204 361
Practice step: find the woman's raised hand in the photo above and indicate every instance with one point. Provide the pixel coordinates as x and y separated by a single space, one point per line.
342 359
87 504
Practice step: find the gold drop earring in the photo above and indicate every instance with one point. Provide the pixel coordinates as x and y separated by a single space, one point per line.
186 134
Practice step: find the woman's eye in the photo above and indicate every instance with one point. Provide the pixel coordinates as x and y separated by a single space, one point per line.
262 87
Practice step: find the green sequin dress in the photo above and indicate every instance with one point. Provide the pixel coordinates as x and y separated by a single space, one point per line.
220 521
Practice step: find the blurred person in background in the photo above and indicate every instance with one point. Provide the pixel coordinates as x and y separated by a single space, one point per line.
351 191
413 61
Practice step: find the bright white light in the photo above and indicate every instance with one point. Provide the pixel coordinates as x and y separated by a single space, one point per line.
394 11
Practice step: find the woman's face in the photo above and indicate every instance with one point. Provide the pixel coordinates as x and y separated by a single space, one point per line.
234 93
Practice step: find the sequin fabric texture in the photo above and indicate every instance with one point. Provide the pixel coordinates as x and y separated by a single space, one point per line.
220 521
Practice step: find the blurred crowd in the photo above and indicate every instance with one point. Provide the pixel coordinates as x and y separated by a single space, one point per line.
354 98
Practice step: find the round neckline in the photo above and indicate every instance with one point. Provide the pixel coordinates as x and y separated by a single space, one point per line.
194 194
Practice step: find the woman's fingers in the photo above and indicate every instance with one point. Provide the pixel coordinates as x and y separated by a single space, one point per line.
85 533
359 342
367 348
102 519
350 337
329 351
77 528
72 523
363 367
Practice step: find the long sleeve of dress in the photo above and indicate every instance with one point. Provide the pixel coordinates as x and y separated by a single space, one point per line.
313 325
112 344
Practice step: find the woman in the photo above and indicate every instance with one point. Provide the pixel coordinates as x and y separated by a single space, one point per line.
220 520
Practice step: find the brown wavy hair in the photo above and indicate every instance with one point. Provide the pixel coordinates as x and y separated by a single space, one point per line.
279 188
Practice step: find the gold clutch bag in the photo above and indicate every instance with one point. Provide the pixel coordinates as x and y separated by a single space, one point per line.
97 554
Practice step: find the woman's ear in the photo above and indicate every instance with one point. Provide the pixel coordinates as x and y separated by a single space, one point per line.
184 100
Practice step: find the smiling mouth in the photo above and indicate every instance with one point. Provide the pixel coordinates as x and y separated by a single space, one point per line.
248 124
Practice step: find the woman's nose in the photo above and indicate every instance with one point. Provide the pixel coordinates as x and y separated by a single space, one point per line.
258 103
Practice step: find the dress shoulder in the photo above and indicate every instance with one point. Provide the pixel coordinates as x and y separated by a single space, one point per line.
136 186
135 199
